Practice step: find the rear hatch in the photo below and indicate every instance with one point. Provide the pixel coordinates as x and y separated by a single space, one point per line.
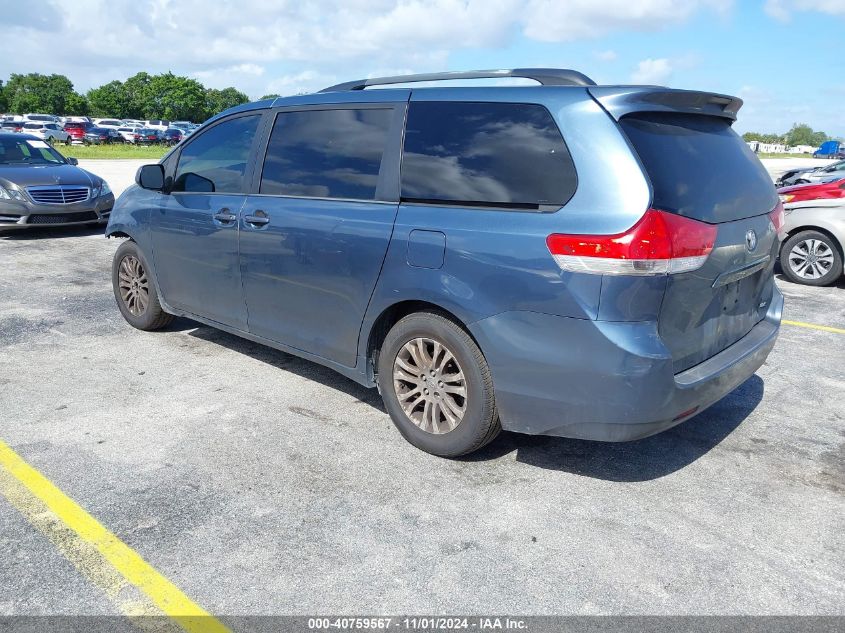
701 169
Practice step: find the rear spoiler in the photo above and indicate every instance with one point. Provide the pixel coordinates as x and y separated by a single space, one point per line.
622 100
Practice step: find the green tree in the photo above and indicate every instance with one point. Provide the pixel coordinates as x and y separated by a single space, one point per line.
4 105
40 93
803 134
76 104
219 100
109 100
272 95
138 97
173 97
819 138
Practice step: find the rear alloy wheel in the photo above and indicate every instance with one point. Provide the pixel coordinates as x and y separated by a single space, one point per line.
134 290
430 385
811 258
437 386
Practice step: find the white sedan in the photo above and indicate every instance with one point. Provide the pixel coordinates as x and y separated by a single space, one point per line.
47 131
128 133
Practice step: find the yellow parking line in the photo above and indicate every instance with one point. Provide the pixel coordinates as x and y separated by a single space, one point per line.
127 579
813 326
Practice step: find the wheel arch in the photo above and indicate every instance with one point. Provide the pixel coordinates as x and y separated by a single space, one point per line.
392 314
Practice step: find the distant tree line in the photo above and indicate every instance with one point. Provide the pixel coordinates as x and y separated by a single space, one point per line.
800 134
142 96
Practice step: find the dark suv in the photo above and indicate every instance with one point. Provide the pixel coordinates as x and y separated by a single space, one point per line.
566 259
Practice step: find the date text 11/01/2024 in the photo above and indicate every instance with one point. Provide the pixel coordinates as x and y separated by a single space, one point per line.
418 623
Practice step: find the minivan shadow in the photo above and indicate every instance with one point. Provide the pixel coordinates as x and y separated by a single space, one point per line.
642 460
281 360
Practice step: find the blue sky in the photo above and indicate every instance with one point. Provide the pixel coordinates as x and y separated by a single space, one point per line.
781 66
783 57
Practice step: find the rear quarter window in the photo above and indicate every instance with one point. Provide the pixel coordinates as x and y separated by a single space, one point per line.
485 154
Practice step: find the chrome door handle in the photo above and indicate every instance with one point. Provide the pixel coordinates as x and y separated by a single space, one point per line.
259 218
225 216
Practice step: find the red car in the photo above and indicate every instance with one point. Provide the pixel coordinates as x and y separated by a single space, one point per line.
817 191
77 131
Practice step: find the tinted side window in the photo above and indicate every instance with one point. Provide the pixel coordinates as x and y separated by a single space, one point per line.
485 153
326 153
216 160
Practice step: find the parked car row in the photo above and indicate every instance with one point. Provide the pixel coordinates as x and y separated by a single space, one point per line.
98 131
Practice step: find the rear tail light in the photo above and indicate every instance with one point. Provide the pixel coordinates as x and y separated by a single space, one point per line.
778 218
660 243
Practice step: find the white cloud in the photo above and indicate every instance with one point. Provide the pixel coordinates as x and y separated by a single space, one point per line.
557 21
232 41
298 83
235 75
659 70
777 10
606 56
652 71
783 9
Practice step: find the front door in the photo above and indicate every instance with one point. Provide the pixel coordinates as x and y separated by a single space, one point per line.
194 230
314 239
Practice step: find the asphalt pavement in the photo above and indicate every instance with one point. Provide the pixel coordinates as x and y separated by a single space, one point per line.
259 483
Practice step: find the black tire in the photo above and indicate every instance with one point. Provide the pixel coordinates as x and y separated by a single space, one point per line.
833 273
480 422
149 316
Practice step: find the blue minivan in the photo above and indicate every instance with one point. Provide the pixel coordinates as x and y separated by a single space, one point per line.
562 259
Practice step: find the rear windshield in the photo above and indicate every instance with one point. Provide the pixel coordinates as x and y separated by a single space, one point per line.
699 167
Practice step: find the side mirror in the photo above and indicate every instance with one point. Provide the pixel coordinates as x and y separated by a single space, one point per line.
72 161
150 177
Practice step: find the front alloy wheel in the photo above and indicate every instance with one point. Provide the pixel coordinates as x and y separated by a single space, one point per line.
134 285
135 291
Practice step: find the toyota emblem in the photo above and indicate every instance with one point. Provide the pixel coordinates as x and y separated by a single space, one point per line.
750 240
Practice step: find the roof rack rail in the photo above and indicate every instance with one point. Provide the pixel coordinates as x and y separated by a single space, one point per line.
544 76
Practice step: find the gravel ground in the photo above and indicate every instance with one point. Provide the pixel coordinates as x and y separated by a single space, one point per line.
260 483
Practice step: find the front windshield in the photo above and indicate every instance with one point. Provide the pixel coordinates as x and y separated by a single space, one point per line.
28 152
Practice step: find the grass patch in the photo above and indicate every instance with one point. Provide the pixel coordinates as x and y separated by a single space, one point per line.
768 155
112 151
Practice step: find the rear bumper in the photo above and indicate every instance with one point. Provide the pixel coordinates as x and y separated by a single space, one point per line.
607 381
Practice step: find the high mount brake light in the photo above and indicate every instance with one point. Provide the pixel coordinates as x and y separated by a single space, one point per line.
660 243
